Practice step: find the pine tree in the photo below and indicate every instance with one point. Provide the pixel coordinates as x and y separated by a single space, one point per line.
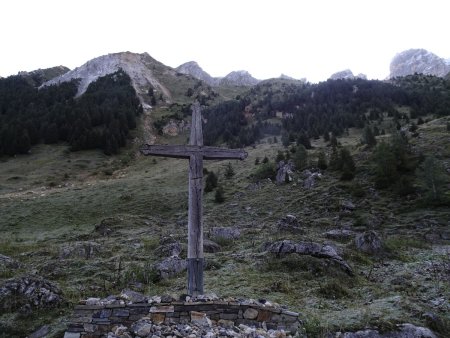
385 166
322 161
300 157
229 171
211 181
432 178
220 195
368 137
348 167
335 162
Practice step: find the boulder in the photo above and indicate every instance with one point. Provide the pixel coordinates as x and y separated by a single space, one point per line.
310 178
369 242
284 171
27 293
169 249
210 246
284 247
227 233
289 223
85 250
133 296
142 328
170 267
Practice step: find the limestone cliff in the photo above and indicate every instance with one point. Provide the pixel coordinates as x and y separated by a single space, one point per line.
418 61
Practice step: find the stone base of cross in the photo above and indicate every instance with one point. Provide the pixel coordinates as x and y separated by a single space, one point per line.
196 153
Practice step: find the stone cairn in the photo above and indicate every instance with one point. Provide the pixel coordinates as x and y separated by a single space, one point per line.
132 314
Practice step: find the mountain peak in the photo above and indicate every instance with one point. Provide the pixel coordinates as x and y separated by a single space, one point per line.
239 78
418 61
192 68
140 67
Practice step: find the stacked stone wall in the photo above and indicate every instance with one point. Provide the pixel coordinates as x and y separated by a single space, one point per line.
97 320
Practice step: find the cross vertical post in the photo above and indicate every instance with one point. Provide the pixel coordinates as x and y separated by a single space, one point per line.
195 257
196 153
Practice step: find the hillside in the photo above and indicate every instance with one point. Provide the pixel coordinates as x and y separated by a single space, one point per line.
130 210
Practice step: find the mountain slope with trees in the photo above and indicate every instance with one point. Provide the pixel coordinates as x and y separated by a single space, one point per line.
101 118
309 111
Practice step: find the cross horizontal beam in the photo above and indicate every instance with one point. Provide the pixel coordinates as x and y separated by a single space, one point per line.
185 151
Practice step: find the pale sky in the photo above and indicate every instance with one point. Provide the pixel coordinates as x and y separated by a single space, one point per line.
303 39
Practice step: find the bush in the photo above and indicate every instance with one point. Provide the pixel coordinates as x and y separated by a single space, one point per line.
267 170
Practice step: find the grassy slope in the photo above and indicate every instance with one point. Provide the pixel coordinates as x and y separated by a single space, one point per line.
53 198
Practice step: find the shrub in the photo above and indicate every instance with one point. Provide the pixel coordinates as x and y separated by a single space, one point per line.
267 170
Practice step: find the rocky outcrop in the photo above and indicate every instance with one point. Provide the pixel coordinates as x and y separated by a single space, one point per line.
169 249
211 246
84 250
342 75
27 293
418 61
175 127
369 242
239 78
289 223
347 74
224 233
310 178
193 69
235 78
170 267
284 172
285 247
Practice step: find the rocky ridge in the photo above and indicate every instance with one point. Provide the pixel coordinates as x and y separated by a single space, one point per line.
239 78
235 78
192 68
347 74
418 61
140 67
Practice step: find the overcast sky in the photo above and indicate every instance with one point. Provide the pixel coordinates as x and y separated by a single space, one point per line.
310 39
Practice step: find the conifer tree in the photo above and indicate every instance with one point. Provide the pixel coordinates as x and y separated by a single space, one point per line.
211 181
229 171
322 161
300 157
219 197
432 179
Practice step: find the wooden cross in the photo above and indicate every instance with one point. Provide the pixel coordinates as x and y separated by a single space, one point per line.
195 152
